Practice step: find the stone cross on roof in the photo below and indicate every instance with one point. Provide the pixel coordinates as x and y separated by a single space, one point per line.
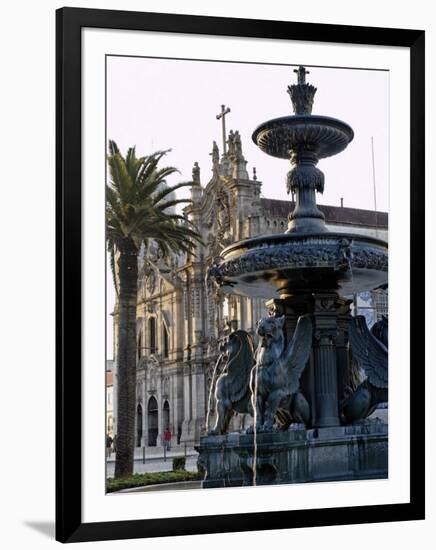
224 111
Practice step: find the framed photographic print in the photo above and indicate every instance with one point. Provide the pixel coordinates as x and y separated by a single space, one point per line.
240 274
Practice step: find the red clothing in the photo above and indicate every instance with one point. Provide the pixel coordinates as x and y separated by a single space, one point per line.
167 435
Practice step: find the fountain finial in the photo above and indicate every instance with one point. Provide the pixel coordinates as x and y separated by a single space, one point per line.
302 94
301 72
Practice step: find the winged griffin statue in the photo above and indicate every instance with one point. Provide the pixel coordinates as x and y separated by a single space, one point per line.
370 350
264 384
232 392
275 378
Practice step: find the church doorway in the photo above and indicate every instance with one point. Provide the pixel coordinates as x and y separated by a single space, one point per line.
152 422
166 416
138 425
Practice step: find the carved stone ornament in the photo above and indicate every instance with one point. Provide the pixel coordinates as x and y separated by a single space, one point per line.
325 255
152 378
139 391
151 282
142 363
214 245
303 254
222 211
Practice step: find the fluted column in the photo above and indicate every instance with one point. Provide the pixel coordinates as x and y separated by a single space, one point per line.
326 381
325 361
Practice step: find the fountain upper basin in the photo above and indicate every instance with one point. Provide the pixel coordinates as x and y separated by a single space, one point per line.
266 267
279 136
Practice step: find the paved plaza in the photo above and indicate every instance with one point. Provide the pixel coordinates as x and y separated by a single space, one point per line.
155 461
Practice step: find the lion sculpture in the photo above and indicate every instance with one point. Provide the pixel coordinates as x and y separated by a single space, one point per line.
272 374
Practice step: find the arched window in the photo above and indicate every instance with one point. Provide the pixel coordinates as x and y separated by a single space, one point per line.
138 425
166 342
166 415
139 346
152 421
152 334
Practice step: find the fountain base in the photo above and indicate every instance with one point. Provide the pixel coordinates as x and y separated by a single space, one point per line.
296 456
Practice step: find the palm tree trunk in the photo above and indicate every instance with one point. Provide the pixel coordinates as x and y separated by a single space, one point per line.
126 359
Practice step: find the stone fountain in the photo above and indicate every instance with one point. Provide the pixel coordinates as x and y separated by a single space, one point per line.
311 402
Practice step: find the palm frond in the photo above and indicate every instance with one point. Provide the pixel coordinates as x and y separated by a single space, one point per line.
168 190
135 205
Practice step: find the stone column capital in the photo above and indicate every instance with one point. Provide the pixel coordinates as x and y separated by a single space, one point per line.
326 336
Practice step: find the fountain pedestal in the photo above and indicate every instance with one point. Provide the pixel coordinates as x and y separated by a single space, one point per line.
321 383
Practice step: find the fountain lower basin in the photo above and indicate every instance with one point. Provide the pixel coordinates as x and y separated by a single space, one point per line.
268 266
296 456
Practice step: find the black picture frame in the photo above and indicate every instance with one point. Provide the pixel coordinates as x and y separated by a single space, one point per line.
69 22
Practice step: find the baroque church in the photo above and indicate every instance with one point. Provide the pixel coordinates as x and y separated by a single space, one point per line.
181 317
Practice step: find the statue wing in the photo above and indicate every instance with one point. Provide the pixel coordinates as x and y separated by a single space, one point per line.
369 352
239 367
298 351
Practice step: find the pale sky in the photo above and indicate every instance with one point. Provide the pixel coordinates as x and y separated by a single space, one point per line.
172 104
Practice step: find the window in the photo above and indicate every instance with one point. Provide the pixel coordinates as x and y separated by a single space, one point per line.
166 416
139 346
152 422
381 303
138 426
152 333
166 343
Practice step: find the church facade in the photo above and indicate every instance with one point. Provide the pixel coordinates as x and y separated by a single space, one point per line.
181 316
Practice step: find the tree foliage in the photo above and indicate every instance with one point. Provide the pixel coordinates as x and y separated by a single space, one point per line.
140 205
140 209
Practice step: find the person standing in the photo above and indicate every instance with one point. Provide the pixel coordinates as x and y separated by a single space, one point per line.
167 439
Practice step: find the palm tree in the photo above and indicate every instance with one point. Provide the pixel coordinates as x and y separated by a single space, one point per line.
139 209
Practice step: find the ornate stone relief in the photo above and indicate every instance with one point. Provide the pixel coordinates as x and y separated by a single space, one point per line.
337 255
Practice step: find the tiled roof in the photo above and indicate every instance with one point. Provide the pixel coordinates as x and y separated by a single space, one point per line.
333 214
